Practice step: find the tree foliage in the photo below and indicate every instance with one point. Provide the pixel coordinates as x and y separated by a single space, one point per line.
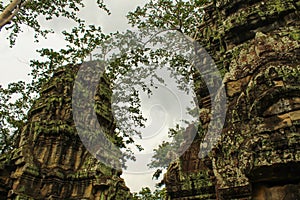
30 13
18 97
164 154
147 194
14 101
115 49
184 16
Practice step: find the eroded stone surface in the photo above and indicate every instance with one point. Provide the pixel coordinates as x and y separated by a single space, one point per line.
51 162
256 46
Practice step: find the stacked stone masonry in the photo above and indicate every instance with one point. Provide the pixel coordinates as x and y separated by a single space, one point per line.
255 44
51 162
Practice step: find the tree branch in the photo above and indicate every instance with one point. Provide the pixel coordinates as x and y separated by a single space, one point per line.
10 11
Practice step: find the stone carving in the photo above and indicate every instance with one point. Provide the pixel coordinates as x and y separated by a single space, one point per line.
51 162
256 45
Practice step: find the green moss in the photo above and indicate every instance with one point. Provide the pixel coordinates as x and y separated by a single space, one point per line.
32 170
21 189
53 127
102 196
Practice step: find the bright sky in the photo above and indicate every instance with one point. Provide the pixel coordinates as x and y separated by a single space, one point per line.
162 113
15 61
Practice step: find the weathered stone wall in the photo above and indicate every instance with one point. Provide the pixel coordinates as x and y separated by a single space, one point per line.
256 47
255 44
51 162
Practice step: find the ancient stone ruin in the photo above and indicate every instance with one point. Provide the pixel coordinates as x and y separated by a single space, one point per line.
256 45
51 162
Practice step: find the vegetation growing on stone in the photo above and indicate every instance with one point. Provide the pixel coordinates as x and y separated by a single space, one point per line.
256 47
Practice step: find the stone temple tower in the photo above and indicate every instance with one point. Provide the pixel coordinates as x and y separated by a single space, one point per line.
50 161
256 45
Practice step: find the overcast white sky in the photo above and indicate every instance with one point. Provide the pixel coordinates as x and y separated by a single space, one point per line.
162 114
15 61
